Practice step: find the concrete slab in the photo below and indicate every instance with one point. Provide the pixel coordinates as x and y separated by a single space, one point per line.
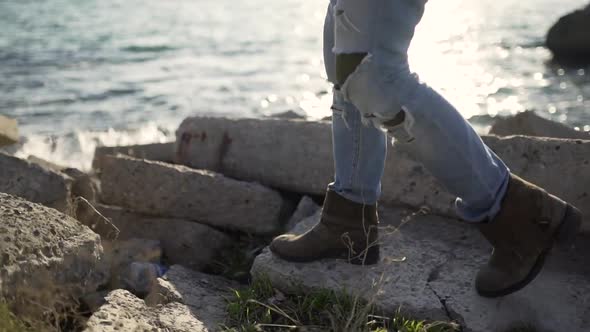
427 270
167 190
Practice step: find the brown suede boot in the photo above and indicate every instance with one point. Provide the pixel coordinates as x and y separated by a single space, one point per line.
530 221
346 230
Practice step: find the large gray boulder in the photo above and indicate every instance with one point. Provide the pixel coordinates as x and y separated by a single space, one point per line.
48 260
168 190
427 268
8 131
204 294
297 155
35 183
155 151
124 312
569 39
530 124
183 241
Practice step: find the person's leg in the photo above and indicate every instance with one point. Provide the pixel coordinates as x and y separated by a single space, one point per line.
359 151
521 220
347 227
382 86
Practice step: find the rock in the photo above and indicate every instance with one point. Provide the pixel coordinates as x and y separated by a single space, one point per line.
35 183
93 301
124 312
533 158
46 163
119 255
306 207
84 184
183 242
141 277
8 131
427 269
305 164
568 38
161 189
164 152
530 124
204 294
88 215
287 115
293 155
48 260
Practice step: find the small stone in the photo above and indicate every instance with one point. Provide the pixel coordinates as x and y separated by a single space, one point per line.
306 207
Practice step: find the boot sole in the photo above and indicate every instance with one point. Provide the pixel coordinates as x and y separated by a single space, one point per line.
565 236
371 258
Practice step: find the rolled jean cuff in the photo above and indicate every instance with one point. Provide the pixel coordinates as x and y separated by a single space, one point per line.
476 215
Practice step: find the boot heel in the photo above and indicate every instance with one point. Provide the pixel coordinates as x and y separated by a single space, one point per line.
566 233
371 257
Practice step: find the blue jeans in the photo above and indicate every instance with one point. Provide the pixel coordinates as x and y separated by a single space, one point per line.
381 87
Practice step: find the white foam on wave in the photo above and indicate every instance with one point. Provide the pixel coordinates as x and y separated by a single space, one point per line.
76 149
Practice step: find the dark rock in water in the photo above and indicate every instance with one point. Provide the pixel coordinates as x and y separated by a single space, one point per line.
287 115
530 124
569 38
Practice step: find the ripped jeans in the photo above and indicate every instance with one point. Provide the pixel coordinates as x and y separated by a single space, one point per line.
378 89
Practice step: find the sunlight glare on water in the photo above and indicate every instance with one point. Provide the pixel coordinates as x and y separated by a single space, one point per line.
78 74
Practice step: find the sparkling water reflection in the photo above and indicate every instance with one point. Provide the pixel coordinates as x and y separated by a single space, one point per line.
81 73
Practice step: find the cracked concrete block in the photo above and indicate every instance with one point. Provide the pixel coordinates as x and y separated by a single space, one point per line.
400 280
8 131
35 183
164 152
124 312
427 270
561 166
293 155
183 241
168 190
48 259
297 156
205 294
530 124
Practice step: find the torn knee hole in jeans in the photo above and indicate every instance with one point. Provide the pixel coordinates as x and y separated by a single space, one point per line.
400 126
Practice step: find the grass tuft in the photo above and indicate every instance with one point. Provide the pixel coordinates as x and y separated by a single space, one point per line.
9 322
260 307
